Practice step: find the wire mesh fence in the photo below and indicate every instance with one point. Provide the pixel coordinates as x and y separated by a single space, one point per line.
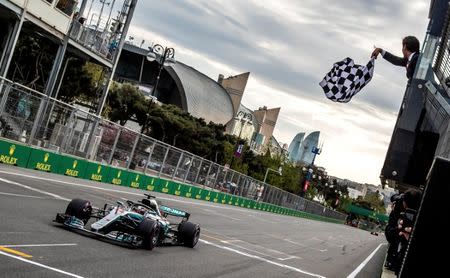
35 119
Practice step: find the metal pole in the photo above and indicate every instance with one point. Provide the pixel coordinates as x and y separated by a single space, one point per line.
62 77
82 7
37 119
50 86
133 150
142 69
110 11
99 17
178 165
57 91
4 98
157 81
114 146
16 38
198 172
217 177
207 174
116 58
265 176
89 12
189 169
68 134
149 157
163 162
239 187
8 50
91 138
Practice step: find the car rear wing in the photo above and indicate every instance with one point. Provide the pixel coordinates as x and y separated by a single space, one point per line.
174 212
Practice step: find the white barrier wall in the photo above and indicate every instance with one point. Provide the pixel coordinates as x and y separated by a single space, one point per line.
47 12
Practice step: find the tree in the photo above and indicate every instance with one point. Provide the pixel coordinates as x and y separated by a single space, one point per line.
80 81
33 60
372 202
123 100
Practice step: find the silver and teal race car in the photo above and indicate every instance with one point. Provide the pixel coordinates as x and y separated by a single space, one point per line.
141 224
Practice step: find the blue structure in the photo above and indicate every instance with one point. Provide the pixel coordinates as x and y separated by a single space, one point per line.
310 143
295 147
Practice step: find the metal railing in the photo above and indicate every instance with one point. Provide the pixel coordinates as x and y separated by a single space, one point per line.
102 42
70 130
441 63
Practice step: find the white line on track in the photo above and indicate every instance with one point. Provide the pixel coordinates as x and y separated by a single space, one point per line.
34 189
39 245
288 258
262 259
303 245
363 264
41 265
21 195
221 214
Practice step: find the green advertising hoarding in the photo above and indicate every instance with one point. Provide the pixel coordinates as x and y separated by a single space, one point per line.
137 180
44 161
73 167
191 192
168 187
117 176
218 197
153 184
181 189
14 154
96 172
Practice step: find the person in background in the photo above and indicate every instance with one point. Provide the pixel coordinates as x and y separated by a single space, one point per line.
411 204
392 232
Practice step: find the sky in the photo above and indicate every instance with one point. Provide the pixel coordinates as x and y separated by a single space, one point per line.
288 46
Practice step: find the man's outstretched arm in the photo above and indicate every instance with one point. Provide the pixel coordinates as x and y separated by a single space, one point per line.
398 61
395 60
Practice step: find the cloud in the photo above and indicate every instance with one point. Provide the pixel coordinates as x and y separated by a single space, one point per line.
288 46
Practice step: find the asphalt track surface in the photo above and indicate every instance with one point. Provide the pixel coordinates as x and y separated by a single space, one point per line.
235 242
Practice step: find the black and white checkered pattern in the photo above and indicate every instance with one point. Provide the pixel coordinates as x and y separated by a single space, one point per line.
346 79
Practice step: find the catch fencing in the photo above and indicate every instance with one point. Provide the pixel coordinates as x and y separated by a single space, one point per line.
35 119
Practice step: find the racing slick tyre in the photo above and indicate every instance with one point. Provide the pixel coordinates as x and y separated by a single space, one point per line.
189 233
80 209
149 231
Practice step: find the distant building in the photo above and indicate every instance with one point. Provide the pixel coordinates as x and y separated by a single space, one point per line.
179 84
295 147
311 141
267 119
278 149
300 149
256 127
243 125
235 86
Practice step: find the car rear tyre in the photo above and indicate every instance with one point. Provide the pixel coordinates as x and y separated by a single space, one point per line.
80 209
189 233
149 231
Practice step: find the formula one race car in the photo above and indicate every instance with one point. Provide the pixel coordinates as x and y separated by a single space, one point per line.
140 224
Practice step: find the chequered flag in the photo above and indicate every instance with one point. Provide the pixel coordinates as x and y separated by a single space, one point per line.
346 79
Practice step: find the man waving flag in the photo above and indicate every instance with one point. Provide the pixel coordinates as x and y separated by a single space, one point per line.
346 79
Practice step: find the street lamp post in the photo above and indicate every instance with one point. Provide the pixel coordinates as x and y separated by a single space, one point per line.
270 169
315 151
239 148
160 54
